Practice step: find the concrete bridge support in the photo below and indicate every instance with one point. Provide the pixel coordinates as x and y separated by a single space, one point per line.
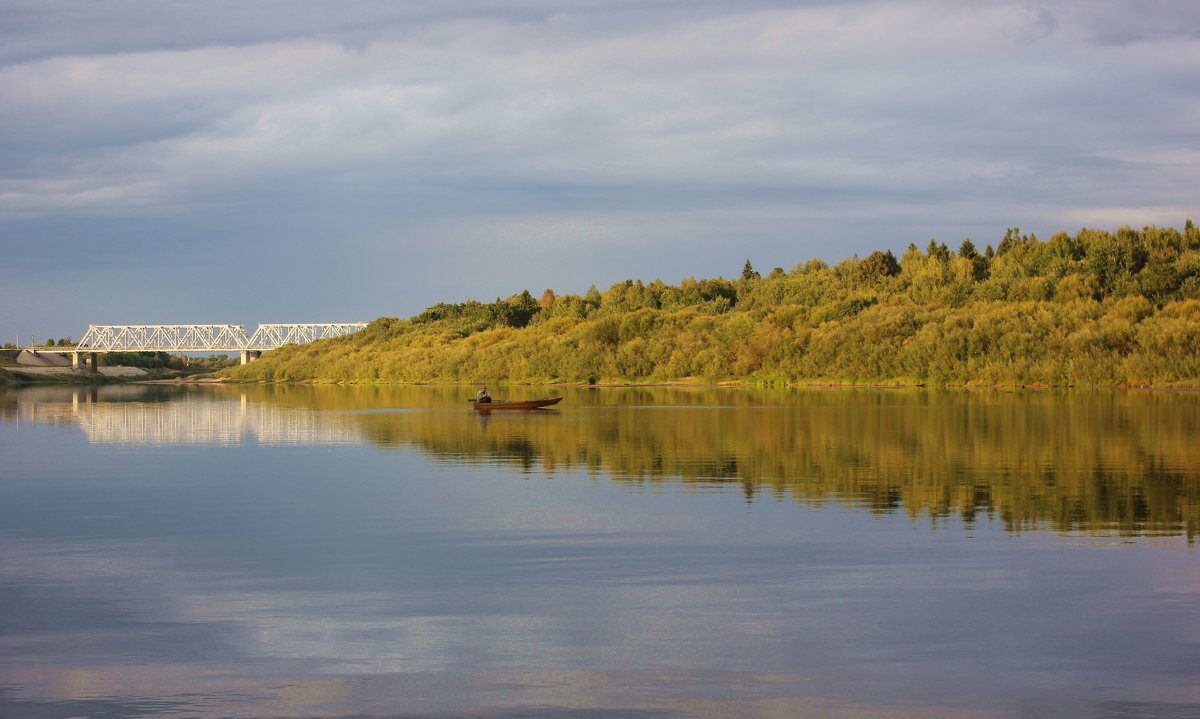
249 356
85 360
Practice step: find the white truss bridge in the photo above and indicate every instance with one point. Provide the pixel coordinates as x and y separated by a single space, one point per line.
206 338
199 338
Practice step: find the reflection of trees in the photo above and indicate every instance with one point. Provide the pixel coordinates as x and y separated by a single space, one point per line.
1124 462
1116 461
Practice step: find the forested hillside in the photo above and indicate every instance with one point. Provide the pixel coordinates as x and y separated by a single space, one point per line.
1096 308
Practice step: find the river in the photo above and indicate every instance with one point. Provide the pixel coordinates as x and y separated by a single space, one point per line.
641 553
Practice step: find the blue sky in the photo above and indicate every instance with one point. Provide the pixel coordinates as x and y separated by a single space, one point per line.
301 161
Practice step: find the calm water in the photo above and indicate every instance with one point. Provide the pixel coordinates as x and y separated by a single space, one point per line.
639 553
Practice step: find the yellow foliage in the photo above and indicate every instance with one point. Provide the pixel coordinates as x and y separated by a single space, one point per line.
1065 312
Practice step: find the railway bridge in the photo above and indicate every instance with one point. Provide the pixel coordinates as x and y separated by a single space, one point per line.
194 338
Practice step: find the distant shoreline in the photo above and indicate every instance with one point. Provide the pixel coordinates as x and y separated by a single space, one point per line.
22 375
729 384
33 376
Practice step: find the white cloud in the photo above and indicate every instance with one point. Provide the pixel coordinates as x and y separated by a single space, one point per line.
838 96
929 117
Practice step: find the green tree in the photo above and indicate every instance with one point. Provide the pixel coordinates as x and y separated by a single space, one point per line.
592 300
978 263
875 267
938 250
519 309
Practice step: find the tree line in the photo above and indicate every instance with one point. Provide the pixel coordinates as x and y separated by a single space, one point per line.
1096 308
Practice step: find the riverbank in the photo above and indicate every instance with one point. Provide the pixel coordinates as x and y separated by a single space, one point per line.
19 367
686 383
58 375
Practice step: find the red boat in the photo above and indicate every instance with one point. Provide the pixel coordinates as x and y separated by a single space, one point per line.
505 404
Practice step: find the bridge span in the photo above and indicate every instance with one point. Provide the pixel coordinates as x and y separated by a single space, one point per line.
195 338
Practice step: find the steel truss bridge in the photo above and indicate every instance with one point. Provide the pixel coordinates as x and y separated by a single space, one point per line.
198 338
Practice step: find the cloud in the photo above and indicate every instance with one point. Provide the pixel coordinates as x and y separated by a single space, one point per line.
761 97
820 118
1126 22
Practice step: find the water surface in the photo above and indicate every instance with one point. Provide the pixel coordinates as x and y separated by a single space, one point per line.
350 552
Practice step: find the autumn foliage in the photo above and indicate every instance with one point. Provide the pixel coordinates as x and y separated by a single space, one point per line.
1098 308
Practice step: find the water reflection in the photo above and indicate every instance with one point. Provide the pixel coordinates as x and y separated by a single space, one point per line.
142 415
637 553
1124 462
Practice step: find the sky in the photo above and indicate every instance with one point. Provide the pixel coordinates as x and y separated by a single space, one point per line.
302 161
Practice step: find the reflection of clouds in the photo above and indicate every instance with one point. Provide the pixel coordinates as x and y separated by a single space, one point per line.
119 585
535 694
581 693
126 593
254 642
519 629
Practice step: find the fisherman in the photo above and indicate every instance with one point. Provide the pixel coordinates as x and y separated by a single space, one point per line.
483 395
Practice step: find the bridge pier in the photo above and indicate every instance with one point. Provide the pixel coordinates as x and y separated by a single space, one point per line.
249 356
85 360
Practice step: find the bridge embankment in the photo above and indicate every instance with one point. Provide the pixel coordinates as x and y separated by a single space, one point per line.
53 364
70 372
41 359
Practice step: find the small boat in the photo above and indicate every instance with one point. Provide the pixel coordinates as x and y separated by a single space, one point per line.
505 404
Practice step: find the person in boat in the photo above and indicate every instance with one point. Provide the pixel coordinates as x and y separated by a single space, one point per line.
483 395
